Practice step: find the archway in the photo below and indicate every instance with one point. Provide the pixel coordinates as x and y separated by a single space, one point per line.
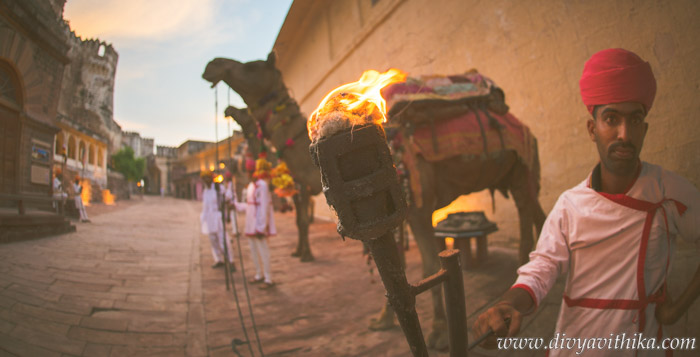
60 142
10 107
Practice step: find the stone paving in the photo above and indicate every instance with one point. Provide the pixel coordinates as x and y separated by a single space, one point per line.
137 281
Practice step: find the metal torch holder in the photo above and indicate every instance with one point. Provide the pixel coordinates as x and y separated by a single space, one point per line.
360 183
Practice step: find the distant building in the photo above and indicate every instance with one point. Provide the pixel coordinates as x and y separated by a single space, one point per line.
158 171
193 157
143 147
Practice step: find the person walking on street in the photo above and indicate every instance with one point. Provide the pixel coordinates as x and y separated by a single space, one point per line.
259 220
211 221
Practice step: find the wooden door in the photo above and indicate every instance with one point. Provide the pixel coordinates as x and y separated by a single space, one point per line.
9 150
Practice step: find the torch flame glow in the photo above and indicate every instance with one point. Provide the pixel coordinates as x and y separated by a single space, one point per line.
353 104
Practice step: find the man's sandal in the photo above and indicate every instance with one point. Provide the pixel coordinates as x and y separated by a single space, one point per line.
266 285
256 281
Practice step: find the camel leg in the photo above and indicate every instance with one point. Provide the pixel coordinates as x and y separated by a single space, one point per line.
526 207
303 222
421 222
384 320
298 208
539 218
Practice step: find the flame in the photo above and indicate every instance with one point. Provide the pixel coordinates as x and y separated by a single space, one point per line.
219 179
107 197
354 103
86 194
449 243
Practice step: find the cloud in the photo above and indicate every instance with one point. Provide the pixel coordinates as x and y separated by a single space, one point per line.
135 18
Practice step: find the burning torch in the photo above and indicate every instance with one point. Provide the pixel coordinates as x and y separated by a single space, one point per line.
360 183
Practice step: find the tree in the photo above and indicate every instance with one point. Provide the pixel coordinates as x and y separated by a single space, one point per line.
131 167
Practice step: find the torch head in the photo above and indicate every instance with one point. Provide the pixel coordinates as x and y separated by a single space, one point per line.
360 182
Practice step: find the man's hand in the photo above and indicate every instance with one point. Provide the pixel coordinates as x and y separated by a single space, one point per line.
670 311
667 313
495 319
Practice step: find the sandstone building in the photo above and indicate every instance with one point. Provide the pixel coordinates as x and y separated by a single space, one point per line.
535 51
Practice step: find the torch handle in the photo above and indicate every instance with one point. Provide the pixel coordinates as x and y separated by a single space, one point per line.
398 291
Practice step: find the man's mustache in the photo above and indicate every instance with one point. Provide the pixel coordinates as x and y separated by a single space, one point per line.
621 145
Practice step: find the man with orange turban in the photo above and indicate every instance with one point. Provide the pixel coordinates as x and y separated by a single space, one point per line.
614 233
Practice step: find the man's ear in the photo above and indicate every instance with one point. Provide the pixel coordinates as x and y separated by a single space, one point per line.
590 125
271 59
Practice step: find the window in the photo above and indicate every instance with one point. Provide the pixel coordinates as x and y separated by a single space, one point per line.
71 148
60 142
91 155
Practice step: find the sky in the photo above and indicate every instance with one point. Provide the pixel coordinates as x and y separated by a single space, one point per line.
163 48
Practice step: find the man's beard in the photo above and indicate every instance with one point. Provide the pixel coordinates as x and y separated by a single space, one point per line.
621 166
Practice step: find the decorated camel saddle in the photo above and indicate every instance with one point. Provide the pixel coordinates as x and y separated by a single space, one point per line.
441 116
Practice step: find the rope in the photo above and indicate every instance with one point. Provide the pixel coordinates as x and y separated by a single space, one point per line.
233 285
245 283
216 125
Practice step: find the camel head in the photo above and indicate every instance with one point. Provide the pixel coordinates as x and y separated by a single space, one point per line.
244 119
251 80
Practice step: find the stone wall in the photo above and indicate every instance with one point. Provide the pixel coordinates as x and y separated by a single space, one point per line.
535 50
33 51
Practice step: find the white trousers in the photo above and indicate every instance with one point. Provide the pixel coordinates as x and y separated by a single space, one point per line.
81 208
217 247
258 247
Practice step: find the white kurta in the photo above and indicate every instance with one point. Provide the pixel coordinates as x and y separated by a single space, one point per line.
259 218
211 216
599 240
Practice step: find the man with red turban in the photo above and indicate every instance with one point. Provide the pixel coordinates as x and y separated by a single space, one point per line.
614 233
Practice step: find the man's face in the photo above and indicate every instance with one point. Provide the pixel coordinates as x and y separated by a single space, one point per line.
618 131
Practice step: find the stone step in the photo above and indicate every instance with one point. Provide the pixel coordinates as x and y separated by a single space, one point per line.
15 227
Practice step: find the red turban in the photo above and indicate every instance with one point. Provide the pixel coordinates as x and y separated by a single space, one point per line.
615 76
249 165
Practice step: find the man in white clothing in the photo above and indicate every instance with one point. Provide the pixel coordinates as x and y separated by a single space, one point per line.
614 233
259 221
78 191
211 222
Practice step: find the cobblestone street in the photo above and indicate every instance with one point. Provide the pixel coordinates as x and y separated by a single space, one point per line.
138 281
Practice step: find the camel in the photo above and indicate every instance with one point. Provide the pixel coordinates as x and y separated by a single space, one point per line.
261 86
